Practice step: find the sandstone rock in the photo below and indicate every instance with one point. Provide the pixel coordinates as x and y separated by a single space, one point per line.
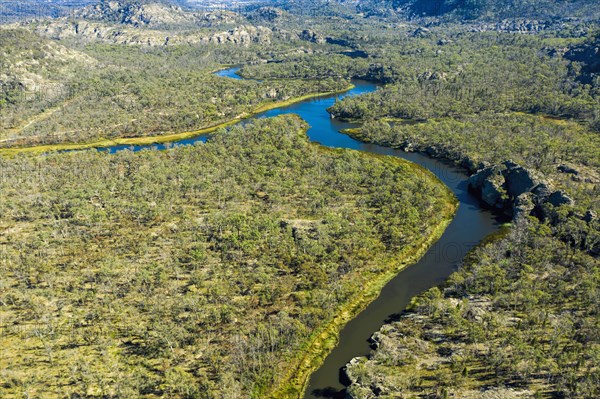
348 369
421 32
312 36
270 14
542 191
492 192
520 180
590 216
560 198
488 183
567 169
523 205
375 339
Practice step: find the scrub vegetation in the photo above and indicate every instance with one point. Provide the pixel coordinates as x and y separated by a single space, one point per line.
198 272
226 269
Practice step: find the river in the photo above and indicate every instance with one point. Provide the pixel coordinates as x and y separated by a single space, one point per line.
470 225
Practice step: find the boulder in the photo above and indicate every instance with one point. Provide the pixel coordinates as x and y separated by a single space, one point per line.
542 191
567 169
560 198
520 180
347 371
492 192
590 216
488 183
375 340
421 32
312 36
523 205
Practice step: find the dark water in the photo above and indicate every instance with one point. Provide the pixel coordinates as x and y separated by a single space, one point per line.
470 226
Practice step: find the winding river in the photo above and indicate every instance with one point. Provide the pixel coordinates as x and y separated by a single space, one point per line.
470 225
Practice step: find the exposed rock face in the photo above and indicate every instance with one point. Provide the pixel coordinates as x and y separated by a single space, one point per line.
421 32
590 216
244 35
135 23
515 189
492 192
98 32
524 205
567 169
520 180
588 55
148 14
312 36
270 14
489 183
560 198
516 25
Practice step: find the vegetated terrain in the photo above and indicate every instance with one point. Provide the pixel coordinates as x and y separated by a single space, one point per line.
197 272
18 10
214 270
54 94
481 72
440 10
520 319
130 69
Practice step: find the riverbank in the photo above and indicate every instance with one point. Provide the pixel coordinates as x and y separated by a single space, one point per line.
324 340
162 139
546 196
262 298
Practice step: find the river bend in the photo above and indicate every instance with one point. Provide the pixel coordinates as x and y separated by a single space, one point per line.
470 225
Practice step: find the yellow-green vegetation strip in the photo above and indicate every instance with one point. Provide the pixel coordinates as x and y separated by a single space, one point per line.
239 254
161 139
325 340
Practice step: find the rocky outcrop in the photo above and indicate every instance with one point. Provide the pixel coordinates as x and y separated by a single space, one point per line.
87 31
489 184
516 190
588 55
149 14
516 26
270 14
312 36
560 198
421 32
243 35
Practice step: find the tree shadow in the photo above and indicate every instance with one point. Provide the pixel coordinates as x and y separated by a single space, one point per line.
329 393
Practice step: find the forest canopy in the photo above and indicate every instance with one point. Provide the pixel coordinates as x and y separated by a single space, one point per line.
197 272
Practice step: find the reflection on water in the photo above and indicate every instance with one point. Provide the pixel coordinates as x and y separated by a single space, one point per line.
470 225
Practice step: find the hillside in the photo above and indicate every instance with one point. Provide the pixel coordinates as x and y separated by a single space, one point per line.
150 23
455 10
475 9
87 87
151 13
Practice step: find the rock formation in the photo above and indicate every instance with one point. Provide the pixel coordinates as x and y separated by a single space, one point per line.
516 190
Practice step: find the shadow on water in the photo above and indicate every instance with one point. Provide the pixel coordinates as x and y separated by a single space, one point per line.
470 225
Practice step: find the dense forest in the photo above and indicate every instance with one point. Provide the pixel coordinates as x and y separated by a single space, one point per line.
55 94
199 272
444 75
226 269
520 319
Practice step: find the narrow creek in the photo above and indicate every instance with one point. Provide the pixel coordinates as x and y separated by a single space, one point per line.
470 225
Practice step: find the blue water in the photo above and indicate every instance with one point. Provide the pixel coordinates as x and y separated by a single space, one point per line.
229 73
470 225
